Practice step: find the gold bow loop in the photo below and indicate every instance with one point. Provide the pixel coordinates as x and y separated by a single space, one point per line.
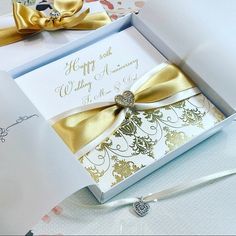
79 129
65 15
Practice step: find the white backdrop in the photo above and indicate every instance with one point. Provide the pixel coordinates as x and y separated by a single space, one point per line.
210 210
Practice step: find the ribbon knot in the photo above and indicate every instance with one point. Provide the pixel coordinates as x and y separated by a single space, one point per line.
67 14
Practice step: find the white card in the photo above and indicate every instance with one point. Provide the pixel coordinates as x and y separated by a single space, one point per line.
94 74
28 50
37 170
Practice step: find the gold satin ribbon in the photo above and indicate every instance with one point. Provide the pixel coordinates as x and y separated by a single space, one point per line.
80 129
29 22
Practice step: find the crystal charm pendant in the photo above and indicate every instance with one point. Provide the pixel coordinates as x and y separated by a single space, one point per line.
141 208
54 14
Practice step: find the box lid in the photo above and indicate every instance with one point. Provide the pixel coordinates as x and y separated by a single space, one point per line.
34 163
202 34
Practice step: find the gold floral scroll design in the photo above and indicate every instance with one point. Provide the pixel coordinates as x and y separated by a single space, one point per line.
122 169
95 173
118 157
175 139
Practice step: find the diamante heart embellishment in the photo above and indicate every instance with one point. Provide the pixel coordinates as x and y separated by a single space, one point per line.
141 208
54 14
125 100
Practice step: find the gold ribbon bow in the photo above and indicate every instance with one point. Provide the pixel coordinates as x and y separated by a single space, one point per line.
80 129
64 16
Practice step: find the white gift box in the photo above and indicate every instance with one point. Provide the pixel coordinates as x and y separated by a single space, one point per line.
178 32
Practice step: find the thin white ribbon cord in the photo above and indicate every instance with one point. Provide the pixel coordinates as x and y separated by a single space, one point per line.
164 194
187 186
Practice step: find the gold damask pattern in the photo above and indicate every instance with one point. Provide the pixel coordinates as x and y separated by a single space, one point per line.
122 169
95 173
147 136
174 139
193 117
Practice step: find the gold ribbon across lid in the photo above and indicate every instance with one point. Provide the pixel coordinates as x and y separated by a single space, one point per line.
66 15
79 129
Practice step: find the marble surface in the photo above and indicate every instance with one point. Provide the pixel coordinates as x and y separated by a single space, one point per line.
209 210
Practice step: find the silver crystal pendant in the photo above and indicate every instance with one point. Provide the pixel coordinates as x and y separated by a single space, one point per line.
141 208
54 14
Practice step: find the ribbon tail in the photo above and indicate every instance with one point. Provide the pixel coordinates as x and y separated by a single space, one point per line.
68 8
11 35
72 22
78 130
93 21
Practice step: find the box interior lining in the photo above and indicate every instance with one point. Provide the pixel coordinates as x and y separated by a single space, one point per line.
171 56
